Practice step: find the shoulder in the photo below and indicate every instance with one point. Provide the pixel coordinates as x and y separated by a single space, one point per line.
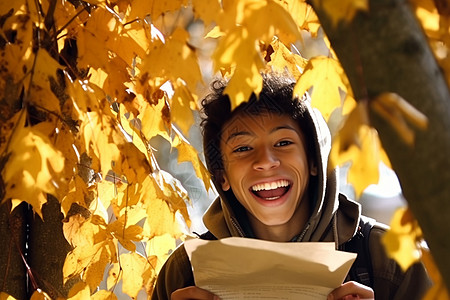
389 280
176 273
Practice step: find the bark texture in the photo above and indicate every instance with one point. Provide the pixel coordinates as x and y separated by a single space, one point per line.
385 50
13 232
48 249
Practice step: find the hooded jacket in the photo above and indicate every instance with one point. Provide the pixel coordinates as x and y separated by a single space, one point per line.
334 218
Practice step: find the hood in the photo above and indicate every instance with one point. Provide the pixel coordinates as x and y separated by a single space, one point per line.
224 217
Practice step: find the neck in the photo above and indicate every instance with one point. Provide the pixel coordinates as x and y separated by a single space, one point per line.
282 232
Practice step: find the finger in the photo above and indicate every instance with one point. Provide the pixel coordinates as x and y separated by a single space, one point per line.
193 292
351 290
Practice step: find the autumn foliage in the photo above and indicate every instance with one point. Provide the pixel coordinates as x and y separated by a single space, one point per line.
86 84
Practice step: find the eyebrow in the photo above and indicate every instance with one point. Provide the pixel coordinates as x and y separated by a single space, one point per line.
283 127
246 133
236 134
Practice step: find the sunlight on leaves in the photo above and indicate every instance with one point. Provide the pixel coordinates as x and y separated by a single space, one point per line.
172 60
104 295
283 59
207 11
90 260
327 78
187 153
181 113
401 240
32 164
344 10
160 246
398 112
79 291
303 14
134 266
364 170
358 143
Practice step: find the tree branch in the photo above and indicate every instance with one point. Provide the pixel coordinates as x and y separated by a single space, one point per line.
385 50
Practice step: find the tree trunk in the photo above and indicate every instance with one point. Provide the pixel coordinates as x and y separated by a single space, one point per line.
47 248
13 233
385 50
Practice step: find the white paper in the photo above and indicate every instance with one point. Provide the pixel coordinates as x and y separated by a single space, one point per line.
241 268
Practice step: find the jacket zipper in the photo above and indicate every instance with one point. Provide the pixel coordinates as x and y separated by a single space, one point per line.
237 227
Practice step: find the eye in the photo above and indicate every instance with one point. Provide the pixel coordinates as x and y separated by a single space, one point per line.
241 149
283 143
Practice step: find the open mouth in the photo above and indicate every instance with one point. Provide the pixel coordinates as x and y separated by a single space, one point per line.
271 190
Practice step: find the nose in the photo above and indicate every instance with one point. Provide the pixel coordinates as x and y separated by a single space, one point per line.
265 160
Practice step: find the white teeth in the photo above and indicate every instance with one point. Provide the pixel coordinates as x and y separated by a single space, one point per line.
270 185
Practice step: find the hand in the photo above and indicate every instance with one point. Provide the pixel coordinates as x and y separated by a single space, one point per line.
193 292
351 290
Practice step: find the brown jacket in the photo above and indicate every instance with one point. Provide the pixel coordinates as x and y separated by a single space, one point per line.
389 282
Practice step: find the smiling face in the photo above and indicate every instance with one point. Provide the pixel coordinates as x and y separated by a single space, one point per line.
266 166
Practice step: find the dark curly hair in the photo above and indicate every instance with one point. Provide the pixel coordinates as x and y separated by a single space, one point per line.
276 97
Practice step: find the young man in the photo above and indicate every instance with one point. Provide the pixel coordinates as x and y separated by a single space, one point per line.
268 161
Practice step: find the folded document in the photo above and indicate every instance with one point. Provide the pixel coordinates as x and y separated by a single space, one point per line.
241 268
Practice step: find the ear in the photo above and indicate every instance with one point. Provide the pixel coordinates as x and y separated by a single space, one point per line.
313 169
225 184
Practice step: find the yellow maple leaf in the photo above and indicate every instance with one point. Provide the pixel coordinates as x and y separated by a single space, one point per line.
327 78
90 260
81 232
31 166
364 170
239 46
181 113
155 118
160 213
399 113
134 266
171 190
160 218
128 125
22 21
92 39
283 59
248 13
79 291
106 192
238 49
401 240
173 59
132 163
357 142
343 11
104 295
126 234
142 8
187 153
303 14
40 295
114 276
76 193
160 246
46 83
208 11
15 6
102 139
